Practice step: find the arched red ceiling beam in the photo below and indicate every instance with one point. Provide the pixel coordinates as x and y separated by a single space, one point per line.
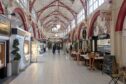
34 27
58 13
52 25
31 4
1 8
52 20
23 17
84 4
121 17
79 31
38 34
94 18
60 5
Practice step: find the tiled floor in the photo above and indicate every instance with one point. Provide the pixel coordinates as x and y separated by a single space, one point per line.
59 69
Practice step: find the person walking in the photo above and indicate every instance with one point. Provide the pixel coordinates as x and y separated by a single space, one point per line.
58 48
54 48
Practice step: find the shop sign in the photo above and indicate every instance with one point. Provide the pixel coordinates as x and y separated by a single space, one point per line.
4 25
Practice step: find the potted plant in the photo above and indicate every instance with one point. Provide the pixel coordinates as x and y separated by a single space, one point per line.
17 57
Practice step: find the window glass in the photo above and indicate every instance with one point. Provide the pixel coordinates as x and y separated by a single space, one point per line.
94 4
101 2
23 3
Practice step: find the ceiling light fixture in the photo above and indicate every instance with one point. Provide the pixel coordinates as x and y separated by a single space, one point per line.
58 26
56 35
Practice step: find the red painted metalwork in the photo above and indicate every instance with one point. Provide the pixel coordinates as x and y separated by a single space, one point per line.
52 25
23 17
60 5
38 34
31 4
34 27
91 28
1 8
79 31
121 17
58 13
52 20
73 35
84 4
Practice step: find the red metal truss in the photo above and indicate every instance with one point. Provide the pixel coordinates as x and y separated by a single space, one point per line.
59 5
55 13
84 4
52 20
53 23
51 26
31 4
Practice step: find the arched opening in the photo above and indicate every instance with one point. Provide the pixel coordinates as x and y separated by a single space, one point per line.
91 28
82 25
33 26
20 12
99 32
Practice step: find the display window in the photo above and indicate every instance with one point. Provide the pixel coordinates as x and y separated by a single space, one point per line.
2 55
27 49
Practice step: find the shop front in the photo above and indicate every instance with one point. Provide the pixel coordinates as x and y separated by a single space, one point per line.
100 37
19 31
24 39
4 45
35 48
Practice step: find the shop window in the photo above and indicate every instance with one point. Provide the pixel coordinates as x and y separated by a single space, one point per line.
2 55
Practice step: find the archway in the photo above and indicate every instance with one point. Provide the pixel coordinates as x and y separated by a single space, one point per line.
22 16
91 28
80 28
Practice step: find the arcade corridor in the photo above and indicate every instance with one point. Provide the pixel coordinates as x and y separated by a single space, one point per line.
59 69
